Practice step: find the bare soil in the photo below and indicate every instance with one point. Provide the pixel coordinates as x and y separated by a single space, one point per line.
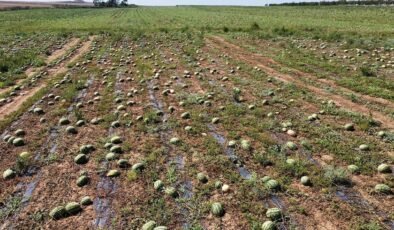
59 69
265 64
54 56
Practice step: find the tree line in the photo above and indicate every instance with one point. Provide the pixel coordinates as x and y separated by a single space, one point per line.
340 2
112 3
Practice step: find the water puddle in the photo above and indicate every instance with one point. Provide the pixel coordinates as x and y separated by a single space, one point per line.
185 186
29 191
106 186
50 146
352 197
276 201
82 94
230 152
102 204
118 84
179 161
28 188
310 159
345 194
272 199
155 103
186 191
84 91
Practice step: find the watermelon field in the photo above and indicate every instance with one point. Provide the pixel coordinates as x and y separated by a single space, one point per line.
197 118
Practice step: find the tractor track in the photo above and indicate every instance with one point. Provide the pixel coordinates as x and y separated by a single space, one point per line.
19 100
57 54
264 63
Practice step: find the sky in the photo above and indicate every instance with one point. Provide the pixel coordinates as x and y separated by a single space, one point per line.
194 2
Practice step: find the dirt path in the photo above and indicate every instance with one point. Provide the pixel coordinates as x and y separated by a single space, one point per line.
60 52
8 89
299 74
54 56
264 63
62 67
56 70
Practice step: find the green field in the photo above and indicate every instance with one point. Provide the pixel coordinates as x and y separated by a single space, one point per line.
373 22
197 118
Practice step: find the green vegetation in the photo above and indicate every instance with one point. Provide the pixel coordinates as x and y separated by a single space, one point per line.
334 22
197 118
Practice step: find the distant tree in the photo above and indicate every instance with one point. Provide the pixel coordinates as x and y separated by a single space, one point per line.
99 3
113 3
123 3
338 2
